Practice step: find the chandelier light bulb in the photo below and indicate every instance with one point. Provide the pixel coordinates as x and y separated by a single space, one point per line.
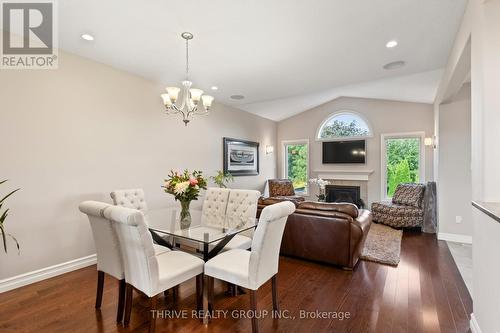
207 101
196 95
166 99
173 93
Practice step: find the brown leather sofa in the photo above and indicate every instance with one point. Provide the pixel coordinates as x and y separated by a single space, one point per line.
332 233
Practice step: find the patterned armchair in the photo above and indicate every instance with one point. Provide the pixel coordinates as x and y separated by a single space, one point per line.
280 190
406 209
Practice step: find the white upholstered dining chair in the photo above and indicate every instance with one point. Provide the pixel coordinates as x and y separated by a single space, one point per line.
145 271
109 259
251 269
214 206
134 198
109 256
130 198
241 211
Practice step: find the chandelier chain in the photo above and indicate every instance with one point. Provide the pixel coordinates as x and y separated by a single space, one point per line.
187 59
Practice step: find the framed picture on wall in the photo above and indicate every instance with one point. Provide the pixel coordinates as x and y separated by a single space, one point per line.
241 157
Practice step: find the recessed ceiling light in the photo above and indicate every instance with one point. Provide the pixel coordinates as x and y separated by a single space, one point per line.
214 88
237 96
392 43
394 65
88 37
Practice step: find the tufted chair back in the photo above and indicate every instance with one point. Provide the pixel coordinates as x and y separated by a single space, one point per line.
136 244
109 258
214 206
266 242
132 198
241 207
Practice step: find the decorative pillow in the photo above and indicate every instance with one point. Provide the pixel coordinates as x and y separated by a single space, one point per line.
281 188
409 194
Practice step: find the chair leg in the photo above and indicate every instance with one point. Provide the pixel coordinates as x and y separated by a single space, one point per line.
205 299
210 293
121 301
100 287
275 293
199 292
128 304
175 293
253 305
229 289
152 308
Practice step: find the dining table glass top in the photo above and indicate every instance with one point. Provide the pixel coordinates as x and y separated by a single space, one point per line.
166 221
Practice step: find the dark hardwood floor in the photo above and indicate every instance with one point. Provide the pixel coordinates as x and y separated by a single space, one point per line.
425 293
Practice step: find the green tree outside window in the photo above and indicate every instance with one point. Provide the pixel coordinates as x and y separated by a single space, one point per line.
297 165
403 162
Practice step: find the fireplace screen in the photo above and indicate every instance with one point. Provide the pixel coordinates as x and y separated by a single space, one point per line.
343 193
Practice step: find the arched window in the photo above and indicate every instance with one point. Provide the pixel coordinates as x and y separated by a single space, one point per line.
343 125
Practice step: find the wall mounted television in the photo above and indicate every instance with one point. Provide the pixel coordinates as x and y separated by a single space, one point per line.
344 152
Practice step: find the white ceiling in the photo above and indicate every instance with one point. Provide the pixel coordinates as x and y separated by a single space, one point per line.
283 56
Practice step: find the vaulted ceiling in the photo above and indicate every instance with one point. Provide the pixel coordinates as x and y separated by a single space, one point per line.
283 56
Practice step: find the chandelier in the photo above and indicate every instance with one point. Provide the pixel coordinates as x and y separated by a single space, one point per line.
191 97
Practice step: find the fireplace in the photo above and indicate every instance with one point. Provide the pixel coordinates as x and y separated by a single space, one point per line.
344 193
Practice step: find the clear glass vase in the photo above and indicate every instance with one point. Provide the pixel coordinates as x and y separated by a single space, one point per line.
185 214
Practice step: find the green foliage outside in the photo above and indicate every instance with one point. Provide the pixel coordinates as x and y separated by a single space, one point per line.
341 128
403 156
297 166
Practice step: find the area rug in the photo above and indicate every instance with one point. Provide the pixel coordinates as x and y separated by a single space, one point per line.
382 245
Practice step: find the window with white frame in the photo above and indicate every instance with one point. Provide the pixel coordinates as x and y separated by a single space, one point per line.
402 160
342 125
296 164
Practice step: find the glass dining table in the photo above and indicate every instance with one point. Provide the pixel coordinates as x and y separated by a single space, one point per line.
206 240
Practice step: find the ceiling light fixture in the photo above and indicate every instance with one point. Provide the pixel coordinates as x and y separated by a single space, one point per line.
394 65
392 43
238 97
190 96
214 88
88 37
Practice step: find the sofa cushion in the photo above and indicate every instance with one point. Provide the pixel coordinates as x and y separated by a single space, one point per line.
324 213
396 210
346 208
399 216
274 200
409 194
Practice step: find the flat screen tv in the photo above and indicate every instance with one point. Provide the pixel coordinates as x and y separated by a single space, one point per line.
344 152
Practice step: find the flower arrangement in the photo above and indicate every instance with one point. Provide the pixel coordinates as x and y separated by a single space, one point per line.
321 183
185 187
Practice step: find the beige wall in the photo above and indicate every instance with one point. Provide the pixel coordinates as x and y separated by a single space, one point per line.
455 182
384 117
79 132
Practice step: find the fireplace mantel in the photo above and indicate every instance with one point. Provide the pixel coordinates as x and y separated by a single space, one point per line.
344 174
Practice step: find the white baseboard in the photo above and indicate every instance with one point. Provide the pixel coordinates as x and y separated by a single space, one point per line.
46 273
474 326
457 238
